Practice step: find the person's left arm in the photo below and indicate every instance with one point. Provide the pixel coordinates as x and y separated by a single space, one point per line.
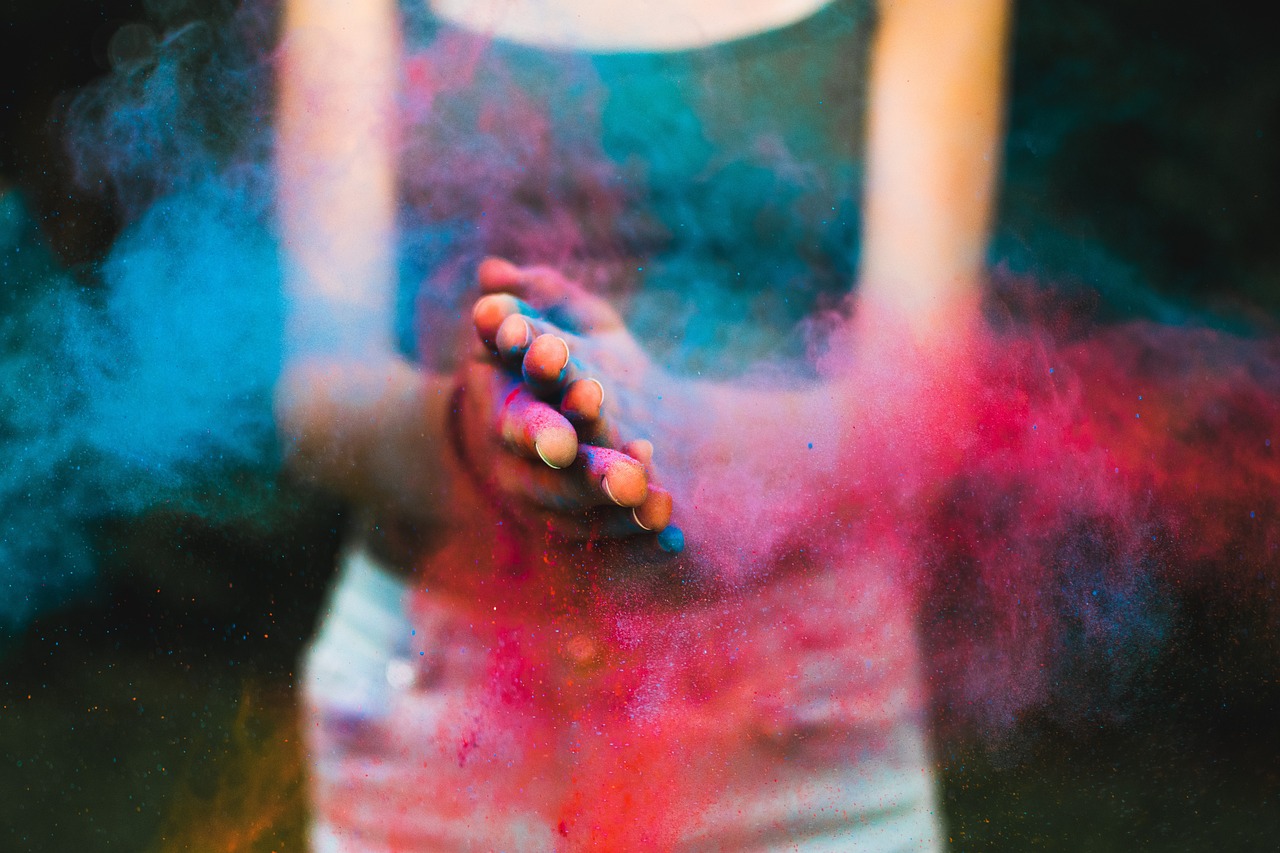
936 104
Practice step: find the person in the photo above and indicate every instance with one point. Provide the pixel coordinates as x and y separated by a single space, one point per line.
541 687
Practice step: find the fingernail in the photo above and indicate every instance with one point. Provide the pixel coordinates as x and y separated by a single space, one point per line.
601 387
548 461
565 343
604 484
635 517
560 374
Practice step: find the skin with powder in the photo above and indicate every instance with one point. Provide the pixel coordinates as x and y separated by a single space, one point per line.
352 412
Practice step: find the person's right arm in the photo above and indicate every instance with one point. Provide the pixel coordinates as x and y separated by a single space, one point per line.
356 417
352 412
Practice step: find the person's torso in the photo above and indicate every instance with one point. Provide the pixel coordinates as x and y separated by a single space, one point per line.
714 182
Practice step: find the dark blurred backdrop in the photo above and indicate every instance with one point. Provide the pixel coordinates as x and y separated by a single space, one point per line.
153 712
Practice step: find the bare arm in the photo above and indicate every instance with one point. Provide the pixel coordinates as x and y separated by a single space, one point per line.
936 107
933 155
355 416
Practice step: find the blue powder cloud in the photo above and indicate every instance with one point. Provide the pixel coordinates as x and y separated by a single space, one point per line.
115 399
147 379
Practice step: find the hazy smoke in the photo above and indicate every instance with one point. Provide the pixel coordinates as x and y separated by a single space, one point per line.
1101 467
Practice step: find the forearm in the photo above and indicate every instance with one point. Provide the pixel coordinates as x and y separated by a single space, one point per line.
355 417
373 432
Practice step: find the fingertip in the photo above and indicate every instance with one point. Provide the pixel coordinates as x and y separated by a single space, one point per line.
546 359
556 445
671 540
497 274
640 449
584 399
625 483
655 513
513 337
489 313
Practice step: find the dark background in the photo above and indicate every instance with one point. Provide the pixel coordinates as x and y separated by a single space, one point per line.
154 711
